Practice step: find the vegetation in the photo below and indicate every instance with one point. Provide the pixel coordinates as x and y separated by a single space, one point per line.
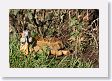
78 29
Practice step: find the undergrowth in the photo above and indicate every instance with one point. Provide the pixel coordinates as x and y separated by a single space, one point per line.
80 36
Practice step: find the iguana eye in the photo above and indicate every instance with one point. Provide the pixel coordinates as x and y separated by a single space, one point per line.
23 43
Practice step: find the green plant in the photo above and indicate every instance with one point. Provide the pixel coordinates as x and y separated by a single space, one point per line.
76 35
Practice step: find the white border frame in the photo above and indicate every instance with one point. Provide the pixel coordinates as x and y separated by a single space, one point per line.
5 71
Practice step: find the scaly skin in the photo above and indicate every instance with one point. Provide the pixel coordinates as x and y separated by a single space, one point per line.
53 43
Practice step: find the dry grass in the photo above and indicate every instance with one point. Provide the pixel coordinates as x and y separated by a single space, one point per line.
77 29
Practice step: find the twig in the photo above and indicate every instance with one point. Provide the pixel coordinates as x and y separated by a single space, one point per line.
93 22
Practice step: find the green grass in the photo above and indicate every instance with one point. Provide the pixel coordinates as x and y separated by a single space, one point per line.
41 59
75 34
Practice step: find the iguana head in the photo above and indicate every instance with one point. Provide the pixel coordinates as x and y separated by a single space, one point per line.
24 42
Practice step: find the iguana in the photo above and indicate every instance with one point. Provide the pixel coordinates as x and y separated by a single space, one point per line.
53 43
